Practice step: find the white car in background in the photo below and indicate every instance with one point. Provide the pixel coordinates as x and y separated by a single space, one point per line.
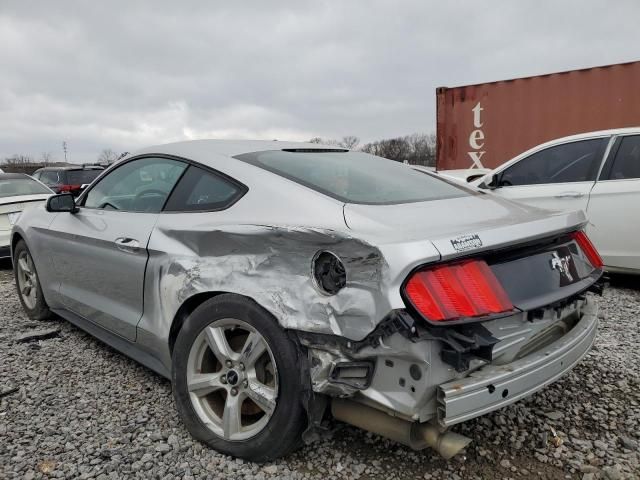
18 192
598 172
463 175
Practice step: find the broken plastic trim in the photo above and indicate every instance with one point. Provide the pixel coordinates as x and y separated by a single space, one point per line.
398 321
356 375
460 343
596 288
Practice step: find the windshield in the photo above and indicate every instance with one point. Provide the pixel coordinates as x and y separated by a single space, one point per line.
11 187
355 177
80 177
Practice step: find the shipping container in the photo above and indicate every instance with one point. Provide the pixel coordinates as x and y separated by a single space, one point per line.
487 124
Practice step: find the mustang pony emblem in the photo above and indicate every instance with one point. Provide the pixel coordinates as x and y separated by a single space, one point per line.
564 265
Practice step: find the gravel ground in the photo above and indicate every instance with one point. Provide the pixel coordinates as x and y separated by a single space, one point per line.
72 407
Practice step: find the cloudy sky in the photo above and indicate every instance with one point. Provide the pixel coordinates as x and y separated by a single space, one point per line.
123 75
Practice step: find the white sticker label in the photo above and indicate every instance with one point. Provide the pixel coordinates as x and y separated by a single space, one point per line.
466 242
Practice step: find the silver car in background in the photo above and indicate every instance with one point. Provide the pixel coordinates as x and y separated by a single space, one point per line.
278 283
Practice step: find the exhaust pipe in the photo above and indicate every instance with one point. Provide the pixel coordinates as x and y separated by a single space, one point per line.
412 434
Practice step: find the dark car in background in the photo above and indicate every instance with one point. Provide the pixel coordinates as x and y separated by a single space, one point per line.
71 179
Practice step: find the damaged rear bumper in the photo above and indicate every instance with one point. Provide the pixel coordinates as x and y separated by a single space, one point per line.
495 386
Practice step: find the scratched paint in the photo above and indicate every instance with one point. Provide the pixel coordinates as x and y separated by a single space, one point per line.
273 266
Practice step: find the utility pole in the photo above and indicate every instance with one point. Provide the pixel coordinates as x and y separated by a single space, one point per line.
64 147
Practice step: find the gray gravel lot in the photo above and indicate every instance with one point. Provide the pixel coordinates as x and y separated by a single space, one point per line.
72 407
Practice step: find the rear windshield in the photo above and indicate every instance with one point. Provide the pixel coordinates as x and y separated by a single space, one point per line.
355 177
21 186
80 177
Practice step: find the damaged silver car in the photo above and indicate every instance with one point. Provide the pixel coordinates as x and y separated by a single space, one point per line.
278 284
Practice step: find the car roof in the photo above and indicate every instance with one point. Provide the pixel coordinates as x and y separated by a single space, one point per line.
597 133
228 148
13 176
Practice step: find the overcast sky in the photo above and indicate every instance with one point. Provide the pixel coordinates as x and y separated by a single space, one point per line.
124 75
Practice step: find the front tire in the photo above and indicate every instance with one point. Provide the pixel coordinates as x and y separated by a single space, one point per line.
237 381
28 284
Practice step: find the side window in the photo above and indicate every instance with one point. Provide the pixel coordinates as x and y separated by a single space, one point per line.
569 162
627 161
50 177
138 186
199 190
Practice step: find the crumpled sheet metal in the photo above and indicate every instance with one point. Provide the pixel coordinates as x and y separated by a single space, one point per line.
273 265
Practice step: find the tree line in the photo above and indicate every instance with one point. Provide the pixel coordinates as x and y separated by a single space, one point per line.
19 162
416 149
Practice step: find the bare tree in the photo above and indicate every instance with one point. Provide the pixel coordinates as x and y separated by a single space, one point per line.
416 149
46 158
349 141
107 156
18 160
323 141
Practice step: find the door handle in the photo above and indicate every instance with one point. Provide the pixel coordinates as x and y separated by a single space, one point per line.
570 195
127 244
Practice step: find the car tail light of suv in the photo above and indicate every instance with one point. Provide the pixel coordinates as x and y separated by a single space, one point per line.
69 188
457 291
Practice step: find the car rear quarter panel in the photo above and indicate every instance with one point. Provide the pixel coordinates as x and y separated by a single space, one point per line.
263 248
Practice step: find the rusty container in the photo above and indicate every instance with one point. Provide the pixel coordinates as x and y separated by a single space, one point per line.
488 124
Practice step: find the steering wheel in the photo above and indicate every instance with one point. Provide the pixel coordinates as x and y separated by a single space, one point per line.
145 193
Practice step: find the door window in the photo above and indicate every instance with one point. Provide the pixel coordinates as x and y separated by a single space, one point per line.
50 177
138 186
82 177
200 190
569 162
627 162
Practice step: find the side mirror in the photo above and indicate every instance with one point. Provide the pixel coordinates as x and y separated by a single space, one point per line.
65 202
493 183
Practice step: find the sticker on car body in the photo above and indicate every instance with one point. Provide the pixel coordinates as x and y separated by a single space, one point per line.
466 242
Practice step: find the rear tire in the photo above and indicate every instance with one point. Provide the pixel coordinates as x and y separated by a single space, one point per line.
28 283
237 381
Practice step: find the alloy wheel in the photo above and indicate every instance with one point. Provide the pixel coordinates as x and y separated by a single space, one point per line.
232 379
27 279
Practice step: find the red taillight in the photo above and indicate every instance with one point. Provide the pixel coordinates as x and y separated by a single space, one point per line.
69 188
588 249
460 290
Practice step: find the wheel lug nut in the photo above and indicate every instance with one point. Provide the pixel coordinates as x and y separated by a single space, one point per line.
228 363
245 384
234 391
241 366
223 379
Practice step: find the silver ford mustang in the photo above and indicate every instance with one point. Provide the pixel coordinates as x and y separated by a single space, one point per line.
277 284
